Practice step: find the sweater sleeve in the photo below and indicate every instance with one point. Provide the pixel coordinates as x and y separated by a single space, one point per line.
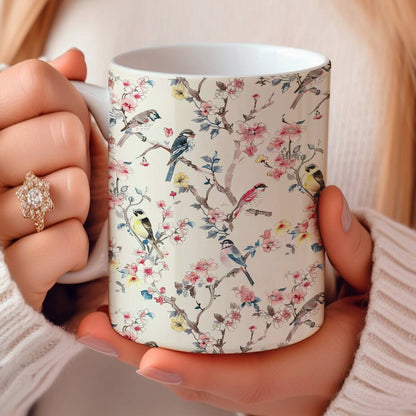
382 380
32 350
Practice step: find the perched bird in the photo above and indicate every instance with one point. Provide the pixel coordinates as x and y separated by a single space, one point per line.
307 83
251 197
231 257
142 227
136 123
313 180
307 308
179 146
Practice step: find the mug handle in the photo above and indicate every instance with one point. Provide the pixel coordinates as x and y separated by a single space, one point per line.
97 101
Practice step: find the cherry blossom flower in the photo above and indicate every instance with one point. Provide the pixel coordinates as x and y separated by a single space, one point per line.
168 131
276 173
203 268
148 272
275 297
114 201
118 169
215 215
246 295
192 277
172 194
291 131
161 204
205 340
297 296
268 242
177 239
254 134
283 164
127 104
167 213
250 150
208 108
132 268
276 144
128 334
159 300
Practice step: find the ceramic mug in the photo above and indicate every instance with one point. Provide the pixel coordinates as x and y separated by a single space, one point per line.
217 155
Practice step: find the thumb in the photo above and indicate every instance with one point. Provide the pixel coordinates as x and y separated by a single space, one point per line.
347 243
71 64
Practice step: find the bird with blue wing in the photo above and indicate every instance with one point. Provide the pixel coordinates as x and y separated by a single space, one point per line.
137 122
179 146
232 257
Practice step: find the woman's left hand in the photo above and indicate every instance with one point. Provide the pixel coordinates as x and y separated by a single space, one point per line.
300 379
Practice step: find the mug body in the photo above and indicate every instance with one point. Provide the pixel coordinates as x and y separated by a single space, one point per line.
217 155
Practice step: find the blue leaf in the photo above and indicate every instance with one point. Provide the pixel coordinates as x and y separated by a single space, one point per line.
206 167
151 314
204 127
311 146
206 227
316 247
138 191
150 82
257 243
217 169
121 226
212 234
191 224
146 295
276 81
282 289
196 206
300 122
214 133
198 120
127 163
173 82
285 87
206 159
292 187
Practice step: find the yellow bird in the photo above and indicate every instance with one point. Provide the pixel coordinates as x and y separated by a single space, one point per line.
313 180
142 227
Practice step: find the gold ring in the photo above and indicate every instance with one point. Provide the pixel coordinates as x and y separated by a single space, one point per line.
35 199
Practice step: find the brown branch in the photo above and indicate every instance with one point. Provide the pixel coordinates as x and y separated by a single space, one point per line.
255 110
327 95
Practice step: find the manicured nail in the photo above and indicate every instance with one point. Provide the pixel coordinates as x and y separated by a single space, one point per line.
98 345
346 216
160 376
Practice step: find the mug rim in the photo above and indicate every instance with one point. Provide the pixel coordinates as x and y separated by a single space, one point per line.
287 51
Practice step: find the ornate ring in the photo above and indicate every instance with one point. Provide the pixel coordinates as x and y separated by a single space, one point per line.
35 199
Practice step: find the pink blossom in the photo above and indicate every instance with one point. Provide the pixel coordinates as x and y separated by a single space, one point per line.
192 277
252 328
132 268
162 290
250 150
283 164
168 131
252 134
292 131
256 96
126 83
129 335
208 108
172 194
167 213
286 314
161 204
147 271
205 340
275 297
246 295
118 169
238 83
215 215
276 144
303 226
110 83
166 226
114 201
276 173
268 242
159 300
128 104
177 239
297 296
203 267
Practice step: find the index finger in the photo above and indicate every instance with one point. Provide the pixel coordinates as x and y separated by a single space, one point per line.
32 88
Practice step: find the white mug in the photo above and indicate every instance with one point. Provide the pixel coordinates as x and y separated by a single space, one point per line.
217 155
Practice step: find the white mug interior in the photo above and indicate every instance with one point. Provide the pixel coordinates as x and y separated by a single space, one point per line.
220 60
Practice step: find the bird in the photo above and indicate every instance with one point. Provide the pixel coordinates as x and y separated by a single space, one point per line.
230 256
307 83
250 197
313 179
179 146
141 226
307 308
138 121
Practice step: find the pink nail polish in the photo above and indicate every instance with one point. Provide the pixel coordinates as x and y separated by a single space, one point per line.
160 376
98 345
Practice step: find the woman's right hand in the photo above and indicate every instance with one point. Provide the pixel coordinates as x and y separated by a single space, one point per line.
44 128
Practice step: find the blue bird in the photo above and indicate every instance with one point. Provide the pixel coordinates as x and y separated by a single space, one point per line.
179 146
231 256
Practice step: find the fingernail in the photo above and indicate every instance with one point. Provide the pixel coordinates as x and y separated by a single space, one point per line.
346 216
98 345
160 376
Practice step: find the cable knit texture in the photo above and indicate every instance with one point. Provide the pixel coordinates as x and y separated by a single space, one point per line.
382 380
32 350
